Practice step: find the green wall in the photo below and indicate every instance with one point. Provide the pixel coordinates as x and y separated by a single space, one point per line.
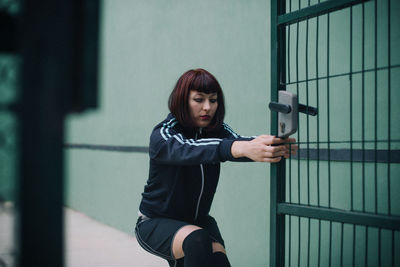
146 46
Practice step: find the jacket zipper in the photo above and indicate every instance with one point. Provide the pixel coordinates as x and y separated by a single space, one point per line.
202 187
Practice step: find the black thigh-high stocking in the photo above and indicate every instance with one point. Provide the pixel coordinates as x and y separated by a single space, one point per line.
197 247
219 259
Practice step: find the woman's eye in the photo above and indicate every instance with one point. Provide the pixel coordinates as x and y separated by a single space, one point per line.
213 100
198 100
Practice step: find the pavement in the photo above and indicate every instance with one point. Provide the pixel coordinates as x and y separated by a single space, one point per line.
88 243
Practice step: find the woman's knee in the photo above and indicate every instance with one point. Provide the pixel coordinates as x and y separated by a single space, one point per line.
218 247
203 239
179 238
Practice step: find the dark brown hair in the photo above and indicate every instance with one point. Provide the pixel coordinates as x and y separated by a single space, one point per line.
202 81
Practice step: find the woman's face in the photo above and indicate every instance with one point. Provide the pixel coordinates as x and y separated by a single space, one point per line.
202 107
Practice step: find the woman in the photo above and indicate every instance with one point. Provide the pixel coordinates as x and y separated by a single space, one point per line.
185 154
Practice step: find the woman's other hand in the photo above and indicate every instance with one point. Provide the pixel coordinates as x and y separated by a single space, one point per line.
264 148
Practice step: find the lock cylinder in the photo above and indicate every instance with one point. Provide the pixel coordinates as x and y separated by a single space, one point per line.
288 109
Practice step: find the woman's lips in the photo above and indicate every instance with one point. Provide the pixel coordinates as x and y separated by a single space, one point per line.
205 117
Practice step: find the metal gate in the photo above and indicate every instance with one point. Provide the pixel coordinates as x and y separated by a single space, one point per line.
337 203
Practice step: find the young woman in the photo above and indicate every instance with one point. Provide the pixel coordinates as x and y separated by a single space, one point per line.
185 154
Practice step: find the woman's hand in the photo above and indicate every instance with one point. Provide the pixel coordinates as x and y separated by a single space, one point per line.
264 148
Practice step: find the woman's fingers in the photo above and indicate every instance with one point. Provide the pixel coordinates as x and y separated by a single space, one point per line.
293 149
272 153
290 140
290 145
276 151
272 140
269 139
267 148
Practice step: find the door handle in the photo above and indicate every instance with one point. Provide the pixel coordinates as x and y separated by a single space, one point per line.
288 108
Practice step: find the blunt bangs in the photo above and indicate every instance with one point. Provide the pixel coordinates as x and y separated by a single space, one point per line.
205 84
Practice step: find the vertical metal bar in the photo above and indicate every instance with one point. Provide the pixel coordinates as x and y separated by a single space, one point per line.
341 245
318 162
290 159
319 242
290 217
351 111
278 188
288 49
351 129
328 135
297 92
328 110
308 146
308 121
290 241
298 139
274 227
366 246
363 126
389 109
317 88
318 142
376 122
376 104
363 104
379 246
389 126
288 53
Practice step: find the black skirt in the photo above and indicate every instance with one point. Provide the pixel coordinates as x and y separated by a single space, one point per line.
155 235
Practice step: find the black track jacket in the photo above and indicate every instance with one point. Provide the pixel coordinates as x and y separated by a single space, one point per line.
184 170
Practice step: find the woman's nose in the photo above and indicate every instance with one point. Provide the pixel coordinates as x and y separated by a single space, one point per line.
206 105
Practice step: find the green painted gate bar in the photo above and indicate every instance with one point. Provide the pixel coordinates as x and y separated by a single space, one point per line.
277 189
344 216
